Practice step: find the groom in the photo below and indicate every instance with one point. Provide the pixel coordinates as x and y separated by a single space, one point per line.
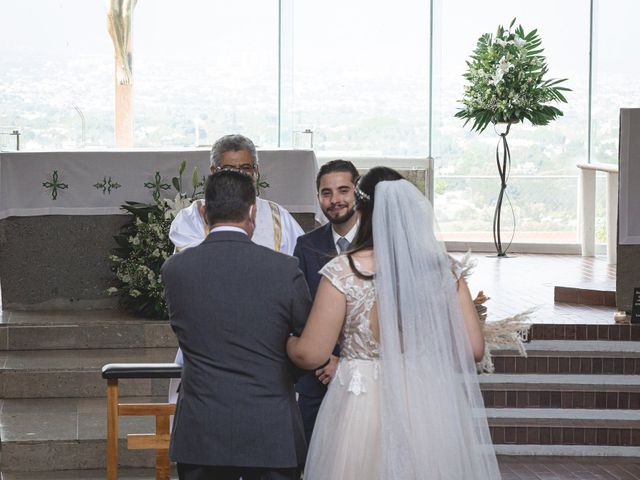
236 414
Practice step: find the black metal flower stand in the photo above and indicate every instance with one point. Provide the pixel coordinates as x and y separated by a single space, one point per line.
504 168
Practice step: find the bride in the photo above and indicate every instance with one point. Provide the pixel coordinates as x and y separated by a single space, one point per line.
405 401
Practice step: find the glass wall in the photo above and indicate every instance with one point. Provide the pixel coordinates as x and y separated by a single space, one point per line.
360 76
203 69
543 184
371 79
56 73
616 73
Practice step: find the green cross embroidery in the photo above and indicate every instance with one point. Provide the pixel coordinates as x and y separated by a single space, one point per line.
54 185
157 185
107 185
261 184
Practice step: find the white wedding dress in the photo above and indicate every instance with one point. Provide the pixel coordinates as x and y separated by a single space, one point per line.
347 430
409 406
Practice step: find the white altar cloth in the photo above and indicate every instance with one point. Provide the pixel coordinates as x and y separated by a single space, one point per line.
77 182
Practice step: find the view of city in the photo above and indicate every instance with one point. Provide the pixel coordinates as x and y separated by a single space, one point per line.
359 79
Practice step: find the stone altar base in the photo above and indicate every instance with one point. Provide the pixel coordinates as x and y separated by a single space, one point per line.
61 261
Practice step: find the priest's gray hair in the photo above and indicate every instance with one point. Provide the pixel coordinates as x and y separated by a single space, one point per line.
232 143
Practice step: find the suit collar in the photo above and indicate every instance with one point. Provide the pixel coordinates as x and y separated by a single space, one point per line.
227 235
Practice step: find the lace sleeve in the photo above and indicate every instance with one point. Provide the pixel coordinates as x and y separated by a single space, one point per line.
335 271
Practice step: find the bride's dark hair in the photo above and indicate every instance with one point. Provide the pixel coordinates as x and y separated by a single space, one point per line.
365 200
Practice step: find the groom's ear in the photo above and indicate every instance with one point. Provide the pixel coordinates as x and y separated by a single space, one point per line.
203 213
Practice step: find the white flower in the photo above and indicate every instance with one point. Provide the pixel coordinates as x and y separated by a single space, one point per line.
135 293
125 278
155 253
504 65
112 290
175 206
519 41
501 42
497 77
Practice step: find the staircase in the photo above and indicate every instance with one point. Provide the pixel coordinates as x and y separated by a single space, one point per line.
577 393
53 407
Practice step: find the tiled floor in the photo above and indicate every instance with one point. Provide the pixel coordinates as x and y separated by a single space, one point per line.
512 468
521 282
514 284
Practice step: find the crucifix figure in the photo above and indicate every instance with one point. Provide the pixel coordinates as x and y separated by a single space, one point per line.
120 16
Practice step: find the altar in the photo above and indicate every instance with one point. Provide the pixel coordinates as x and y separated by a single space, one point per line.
60 210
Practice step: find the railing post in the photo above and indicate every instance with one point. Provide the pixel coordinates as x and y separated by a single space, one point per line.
612 217
587 212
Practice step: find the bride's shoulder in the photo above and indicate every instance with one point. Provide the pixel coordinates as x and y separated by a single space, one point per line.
340 265
337 264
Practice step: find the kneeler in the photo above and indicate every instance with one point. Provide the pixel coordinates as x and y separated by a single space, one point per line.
162 411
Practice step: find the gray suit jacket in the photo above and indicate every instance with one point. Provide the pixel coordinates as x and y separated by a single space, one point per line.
232 305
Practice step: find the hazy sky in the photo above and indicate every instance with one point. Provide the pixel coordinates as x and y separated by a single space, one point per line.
373 31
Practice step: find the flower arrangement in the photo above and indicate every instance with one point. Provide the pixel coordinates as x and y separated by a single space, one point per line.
506 76
144 245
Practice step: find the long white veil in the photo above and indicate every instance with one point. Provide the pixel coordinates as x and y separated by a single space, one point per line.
434 425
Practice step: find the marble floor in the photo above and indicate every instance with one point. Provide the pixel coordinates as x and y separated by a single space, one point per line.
526 281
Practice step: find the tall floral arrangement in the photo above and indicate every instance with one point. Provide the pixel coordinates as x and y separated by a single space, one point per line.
506 81
144 245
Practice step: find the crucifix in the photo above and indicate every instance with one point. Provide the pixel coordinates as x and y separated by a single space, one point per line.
120 17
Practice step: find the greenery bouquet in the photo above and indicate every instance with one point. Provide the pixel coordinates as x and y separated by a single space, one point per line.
506 81
144 245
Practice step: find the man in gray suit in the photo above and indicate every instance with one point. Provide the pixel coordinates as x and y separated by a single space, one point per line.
232 305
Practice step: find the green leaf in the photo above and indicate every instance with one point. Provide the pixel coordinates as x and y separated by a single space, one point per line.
194 177
183 165
176 183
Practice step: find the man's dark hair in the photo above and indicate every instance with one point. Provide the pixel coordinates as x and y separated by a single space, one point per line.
337 166
228 195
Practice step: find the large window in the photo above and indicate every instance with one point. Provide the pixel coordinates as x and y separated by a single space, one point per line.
543 185
360 74
56 73
368 79
616 73
204 69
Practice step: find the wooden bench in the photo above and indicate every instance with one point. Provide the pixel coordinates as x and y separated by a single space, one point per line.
159 441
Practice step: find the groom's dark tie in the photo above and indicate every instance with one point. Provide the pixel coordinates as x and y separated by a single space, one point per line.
343 244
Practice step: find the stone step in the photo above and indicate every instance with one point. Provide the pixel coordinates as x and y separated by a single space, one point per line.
75 373
67 434
123 474
81 330
536 426
612 331
602 296
560 391
586 451
591 357
40 435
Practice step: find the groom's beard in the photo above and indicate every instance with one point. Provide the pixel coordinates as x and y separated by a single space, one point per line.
338 220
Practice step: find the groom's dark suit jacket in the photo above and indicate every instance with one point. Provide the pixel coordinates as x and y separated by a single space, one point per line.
314 250
232 305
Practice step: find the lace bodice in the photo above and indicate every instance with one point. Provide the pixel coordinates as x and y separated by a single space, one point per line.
356 339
